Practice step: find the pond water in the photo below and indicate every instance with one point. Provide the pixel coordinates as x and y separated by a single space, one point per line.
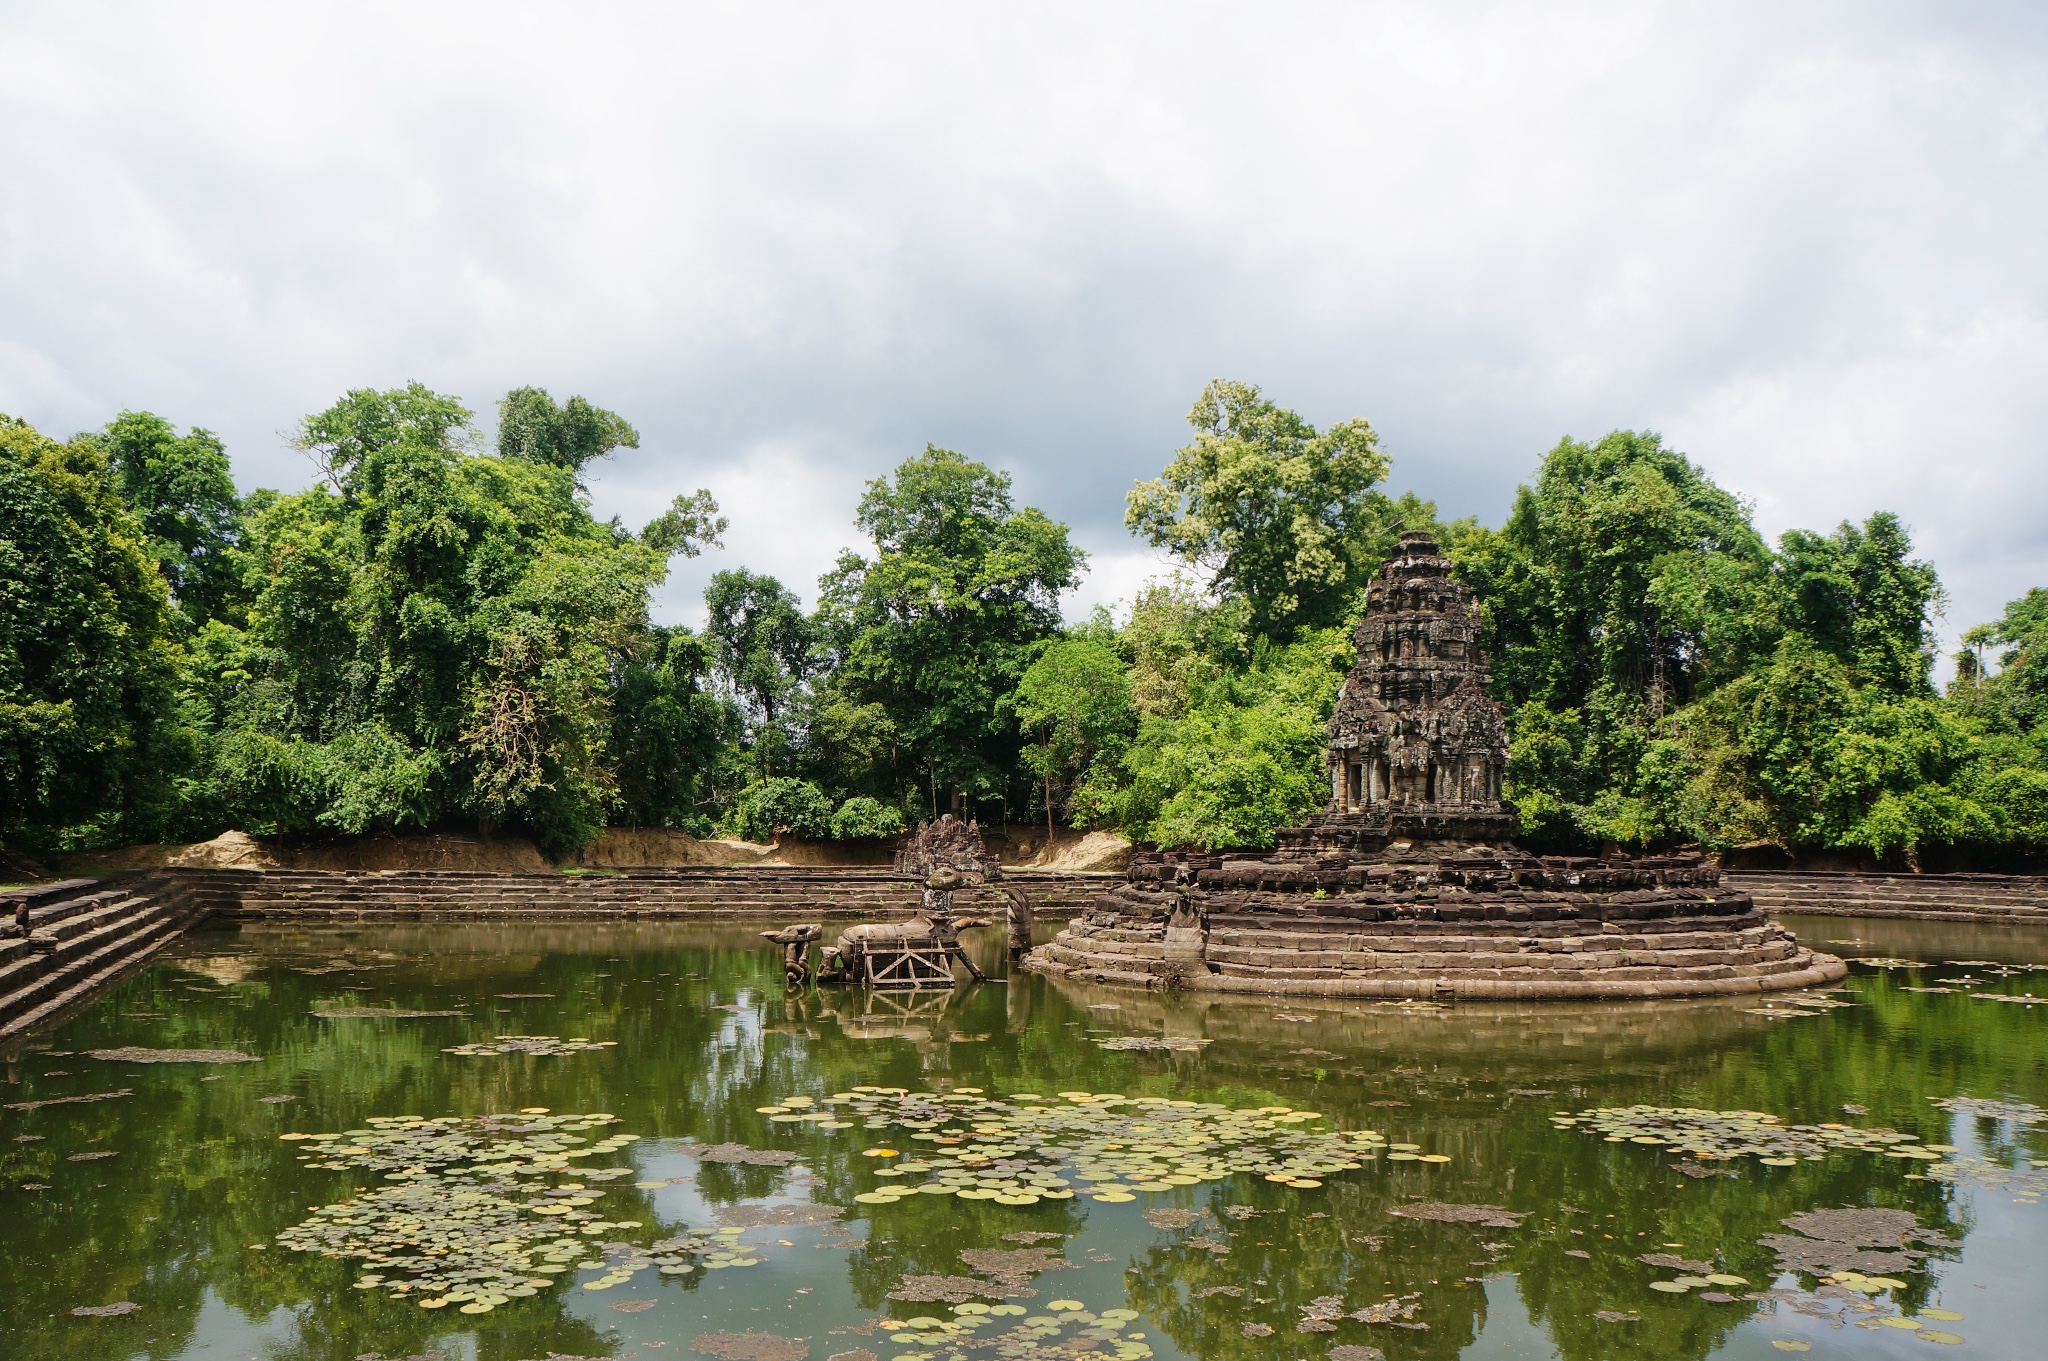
686 1206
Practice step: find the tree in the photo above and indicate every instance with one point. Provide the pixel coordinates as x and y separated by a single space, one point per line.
91 747
937 629
180 489
533 428
2016 697
761 645
1624 568
769 808
667 728
1240 759
439 635
1277 514
1076 699
1859 595
689 526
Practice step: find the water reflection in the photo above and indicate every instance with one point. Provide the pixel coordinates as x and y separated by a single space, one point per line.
705 1034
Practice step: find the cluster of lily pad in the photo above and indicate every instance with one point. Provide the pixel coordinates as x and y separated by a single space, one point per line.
1109 1147
467 1222
1734 1134
2017 1112
1065 1328
2024 1184
544 1045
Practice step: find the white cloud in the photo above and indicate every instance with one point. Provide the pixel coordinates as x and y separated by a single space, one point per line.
795 243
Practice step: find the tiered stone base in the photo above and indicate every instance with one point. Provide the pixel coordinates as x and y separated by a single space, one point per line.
1431 932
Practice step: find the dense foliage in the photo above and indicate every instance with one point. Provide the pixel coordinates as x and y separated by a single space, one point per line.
434 636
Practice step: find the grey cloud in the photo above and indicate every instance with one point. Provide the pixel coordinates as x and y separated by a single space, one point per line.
795 244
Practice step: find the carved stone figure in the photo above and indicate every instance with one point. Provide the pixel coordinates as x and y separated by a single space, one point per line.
1019 920
796 942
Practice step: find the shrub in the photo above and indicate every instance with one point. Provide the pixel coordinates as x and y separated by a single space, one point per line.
861 816
769 808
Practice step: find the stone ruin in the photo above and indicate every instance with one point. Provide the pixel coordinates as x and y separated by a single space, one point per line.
951 842
1410 885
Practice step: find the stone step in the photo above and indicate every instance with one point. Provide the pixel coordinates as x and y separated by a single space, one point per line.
97 943
84 980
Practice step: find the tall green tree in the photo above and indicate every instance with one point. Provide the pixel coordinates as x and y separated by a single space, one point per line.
1276 513
2015 697
437 635
180 488
937 628
1859 594
533 428
1623 569
1076 702
92 749
761 644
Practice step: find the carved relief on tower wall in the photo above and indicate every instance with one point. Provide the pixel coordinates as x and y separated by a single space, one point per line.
1414 724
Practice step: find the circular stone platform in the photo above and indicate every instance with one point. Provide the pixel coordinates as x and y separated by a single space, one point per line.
1411 884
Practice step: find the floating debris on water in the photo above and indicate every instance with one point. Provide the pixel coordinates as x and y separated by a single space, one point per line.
1320 1315
1174 1044
2025 1184
459 1227
740 1153
544 1045
751 1346
776 1216
106 1310
133 1054
1492 1216
369 1013
1065 1328
1395 1311
1844 1242
67 1100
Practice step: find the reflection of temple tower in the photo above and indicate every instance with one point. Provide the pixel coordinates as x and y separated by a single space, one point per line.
1414 726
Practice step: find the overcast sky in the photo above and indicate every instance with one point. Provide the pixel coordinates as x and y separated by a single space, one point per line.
1808 243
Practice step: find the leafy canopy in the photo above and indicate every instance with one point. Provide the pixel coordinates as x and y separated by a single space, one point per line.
937 628
1277 514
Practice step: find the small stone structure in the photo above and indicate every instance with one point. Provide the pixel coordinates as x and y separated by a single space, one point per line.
913 954
950 842
1410 885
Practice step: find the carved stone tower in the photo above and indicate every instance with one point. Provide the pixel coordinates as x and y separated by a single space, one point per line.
1415 728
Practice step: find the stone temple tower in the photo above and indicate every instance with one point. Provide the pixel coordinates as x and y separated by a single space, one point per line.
1411 884
1414 726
